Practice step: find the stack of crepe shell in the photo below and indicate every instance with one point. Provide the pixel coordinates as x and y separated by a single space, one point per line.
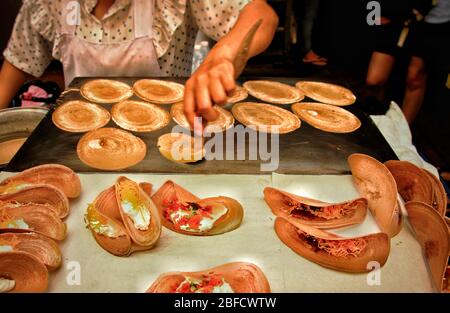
33 204
426 204
113 229
378 192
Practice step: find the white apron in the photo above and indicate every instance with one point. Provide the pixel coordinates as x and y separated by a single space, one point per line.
81 58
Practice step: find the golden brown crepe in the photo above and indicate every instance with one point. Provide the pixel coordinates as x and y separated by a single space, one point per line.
327 117
273 92
183 212
179 147
326 93
56 175
332 251
297 209
139 116
265 117
374 182
80 116
239 94
241 277
431 231
159 91
123 218
111 149
224 121
106 91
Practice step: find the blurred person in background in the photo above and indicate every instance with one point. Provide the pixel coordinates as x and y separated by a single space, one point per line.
403 26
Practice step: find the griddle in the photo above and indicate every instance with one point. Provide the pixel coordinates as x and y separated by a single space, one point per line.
304 151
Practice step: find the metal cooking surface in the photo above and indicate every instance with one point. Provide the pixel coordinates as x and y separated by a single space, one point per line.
305 151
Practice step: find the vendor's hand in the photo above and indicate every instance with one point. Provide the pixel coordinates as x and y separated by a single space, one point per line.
210 85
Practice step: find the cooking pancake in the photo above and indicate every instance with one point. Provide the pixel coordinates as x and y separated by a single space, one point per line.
182 148
273 92
327 93
80 116
139 116
222 123
9 148
159 91
110 149
327 117
106 91
265 117
239 94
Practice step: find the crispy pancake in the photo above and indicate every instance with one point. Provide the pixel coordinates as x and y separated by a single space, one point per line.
327 117
327 93
265 117
111 149
239 94
222 123
273 92
79 116
106 91
139 116
159 91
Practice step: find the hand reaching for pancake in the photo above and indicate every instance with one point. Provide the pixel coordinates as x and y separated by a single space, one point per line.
210 85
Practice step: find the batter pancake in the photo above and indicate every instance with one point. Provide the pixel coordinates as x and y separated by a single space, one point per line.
111 149
273 92
327 117
239 94
222 123
80 116
265 117
106 91
159 91
139 116
187 150
327 93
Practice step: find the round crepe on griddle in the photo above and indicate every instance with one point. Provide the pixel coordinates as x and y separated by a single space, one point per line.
79 116
327 93
181 148
159 91
139 116
224 121
111 149
239 94
327 117
106 91
273 92
265 117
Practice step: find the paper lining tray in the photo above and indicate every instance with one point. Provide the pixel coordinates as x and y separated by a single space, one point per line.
254 241
304 151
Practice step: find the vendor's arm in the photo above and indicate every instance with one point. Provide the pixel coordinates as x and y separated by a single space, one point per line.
215 78
29 49
11 79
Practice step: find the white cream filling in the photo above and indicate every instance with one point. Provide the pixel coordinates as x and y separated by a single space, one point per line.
140 215
5 248
224 288
103 229
313 113
17 224
205 224
95 144
7 284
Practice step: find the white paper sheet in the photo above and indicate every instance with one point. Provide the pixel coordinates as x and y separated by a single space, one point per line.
254 241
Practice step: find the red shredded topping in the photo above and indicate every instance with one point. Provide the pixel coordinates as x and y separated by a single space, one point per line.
328 212
339 248
196 213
